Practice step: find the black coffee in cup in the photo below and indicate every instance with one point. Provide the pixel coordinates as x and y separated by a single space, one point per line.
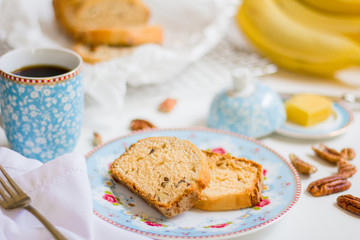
40 71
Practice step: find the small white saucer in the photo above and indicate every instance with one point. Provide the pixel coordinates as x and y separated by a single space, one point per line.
338 122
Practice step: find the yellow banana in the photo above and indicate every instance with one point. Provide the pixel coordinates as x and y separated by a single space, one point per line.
304 13
293 45
336 6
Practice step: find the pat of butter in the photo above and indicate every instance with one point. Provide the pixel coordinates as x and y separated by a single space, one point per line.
308 109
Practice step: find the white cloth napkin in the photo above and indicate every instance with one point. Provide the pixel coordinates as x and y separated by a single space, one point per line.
25 23
60 190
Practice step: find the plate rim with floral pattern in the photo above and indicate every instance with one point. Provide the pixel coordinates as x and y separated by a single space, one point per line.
340 111
244 221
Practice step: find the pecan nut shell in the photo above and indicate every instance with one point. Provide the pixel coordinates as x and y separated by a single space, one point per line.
349 203
140 124
348 153
302 166
346 169
97 140
328 154
328 185
167 105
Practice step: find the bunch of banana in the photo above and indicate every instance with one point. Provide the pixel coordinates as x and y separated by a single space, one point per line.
298 37
336 6
347 24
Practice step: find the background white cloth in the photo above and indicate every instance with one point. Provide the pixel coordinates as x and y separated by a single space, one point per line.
60 190
191 29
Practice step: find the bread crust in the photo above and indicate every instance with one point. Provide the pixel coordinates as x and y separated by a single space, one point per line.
184 201
233 200
100 53
127 35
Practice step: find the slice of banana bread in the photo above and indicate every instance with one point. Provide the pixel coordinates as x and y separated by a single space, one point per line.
111 22
100 53
131 35
167 172
235 183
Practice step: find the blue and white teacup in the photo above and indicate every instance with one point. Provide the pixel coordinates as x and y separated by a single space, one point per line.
42 116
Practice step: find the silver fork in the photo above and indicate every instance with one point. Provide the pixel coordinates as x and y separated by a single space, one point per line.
13 197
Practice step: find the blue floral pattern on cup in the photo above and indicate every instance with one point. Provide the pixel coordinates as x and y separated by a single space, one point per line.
256 115
42 121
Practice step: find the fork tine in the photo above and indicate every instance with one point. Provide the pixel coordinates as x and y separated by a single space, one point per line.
5 186
2 193
11 181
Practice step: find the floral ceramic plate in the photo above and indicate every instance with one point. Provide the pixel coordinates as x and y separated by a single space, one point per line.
336 124
117 205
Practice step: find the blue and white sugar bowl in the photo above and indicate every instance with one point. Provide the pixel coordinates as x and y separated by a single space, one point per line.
250 108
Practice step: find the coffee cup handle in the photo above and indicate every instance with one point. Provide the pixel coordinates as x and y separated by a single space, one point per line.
1 123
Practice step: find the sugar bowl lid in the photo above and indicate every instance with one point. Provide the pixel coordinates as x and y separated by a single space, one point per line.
250 108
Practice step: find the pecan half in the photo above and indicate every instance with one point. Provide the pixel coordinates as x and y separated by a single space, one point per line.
328 154
328 185
346 169
348 153
167 105
140 124
349 203
302 166
97 139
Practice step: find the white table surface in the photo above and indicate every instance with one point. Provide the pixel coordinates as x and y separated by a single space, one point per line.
312 217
